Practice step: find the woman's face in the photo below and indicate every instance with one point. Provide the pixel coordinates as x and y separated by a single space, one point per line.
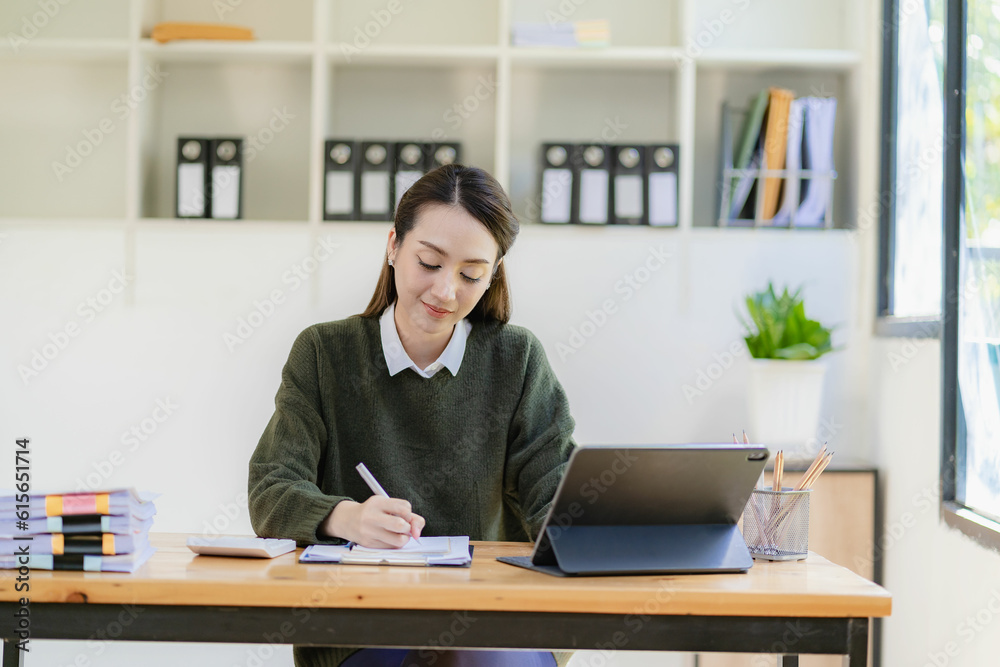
442 268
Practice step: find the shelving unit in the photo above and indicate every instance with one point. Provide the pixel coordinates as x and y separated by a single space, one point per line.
443 69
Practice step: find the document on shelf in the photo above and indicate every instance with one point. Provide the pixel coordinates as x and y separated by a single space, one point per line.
430 551
793 163
817 157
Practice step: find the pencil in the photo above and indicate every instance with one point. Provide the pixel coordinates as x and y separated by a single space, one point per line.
779 465
819 471
812 468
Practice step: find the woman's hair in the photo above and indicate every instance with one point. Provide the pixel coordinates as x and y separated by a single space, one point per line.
481 196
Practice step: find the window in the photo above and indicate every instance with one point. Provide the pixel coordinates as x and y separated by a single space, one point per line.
971 333
910 255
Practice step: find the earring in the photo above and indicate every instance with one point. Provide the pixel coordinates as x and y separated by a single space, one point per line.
390 262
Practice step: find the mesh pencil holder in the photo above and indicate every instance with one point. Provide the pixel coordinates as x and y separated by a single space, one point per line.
776 524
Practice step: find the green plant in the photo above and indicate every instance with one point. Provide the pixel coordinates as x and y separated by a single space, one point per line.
781 329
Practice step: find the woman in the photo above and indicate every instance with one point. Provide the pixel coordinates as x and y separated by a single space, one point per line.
456 412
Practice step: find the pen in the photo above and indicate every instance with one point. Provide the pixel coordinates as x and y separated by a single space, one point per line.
375 486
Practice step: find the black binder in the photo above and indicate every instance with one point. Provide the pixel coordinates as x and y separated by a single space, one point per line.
192 178
225 161
629 185
591 184
340 183
555 188
668 509
661 184
409 161
442 153
375 175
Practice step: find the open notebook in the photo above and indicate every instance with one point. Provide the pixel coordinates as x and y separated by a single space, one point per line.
429 551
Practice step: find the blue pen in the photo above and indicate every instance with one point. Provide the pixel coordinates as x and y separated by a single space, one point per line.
375 486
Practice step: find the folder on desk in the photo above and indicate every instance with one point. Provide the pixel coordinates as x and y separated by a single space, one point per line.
668 509
448 550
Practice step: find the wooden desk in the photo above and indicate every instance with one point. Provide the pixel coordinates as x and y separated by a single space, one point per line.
810 606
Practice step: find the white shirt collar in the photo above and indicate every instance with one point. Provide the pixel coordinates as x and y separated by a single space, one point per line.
397 360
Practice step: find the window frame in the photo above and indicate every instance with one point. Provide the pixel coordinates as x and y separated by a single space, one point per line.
886 323
981 528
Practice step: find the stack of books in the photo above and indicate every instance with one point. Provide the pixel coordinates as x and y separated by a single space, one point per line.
562 33
96 531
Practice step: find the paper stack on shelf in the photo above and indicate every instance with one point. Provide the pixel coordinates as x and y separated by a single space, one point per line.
820 114
562 33
793 163
793 137
94 531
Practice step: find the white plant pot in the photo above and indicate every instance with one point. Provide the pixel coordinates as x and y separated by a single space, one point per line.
784 400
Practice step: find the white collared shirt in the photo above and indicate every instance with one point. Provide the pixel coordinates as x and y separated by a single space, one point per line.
397 360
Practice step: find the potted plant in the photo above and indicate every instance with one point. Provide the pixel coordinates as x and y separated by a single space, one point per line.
786 372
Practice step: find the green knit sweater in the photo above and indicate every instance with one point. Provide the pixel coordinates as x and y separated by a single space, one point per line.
479 453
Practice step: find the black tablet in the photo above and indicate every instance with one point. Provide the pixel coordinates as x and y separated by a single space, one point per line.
649 509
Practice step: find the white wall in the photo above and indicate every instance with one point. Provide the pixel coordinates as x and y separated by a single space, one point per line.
946 588
164 341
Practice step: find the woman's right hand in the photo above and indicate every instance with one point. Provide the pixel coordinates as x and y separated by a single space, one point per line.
379 522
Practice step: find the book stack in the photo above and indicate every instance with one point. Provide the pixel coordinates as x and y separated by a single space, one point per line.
103 531
562 33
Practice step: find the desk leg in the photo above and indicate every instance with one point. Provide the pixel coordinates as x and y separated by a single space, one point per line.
12 657
858 642
789 661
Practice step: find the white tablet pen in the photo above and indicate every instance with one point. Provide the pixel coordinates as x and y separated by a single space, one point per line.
375 486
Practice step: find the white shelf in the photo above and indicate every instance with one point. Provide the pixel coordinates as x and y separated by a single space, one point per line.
199 224
86 50
443 67
271 52
598 58
786 58
409 56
